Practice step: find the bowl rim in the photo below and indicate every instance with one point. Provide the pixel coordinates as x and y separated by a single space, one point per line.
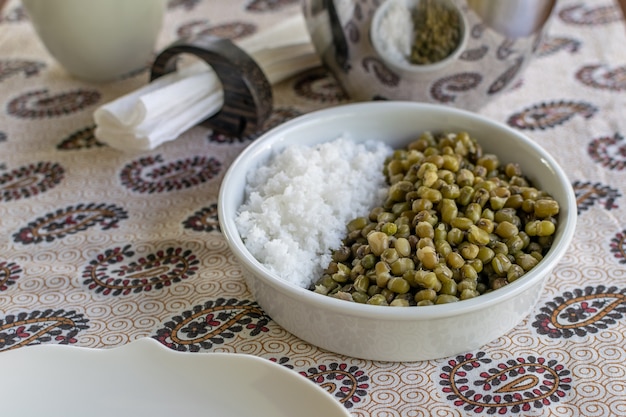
276 135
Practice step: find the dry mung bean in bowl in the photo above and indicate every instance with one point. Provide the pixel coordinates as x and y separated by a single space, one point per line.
327 180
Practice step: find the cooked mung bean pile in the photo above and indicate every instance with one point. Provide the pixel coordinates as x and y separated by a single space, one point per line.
456 223
437 32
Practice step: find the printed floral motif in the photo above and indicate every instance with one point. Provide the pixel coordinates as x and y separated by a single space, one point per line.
10 67
475 54
477 31
380 70
553 44
233 30
447 89
518 385
588 194
505 49
70 220
581 312
213 323
318 85
609 151
550 114
278 116
505 79
119 271
618 246
41 104
268 5
602 77
82 139
30 180
152 175
204 220
38 327
588 16
9 273
284 361
347 383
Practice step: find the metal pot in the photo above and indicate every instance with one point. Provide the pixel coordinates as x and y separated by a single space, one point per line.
497 41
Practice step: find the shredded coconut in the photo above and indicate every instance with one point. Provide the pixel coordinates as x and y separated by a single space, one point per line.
395 32
298 205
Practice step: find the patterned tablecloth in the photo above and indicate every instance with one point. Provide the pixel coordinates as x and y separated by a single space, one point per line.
99 248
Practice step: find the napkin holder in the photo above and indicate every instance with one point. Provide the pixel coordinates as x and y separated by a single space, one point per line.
247 91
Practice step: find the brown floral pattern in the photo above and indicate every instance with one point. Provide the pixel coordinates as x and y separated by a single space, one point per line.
603 77
547 115
30 180
153 175
38 327
584 15
203 220
9 273
41 104
70 220
609 151
581 312
517 385
11 67
448 88
81 139
121 271
211 324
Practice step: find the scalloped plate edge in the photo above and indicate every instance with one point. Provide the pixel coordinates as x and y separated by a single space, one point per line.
146 378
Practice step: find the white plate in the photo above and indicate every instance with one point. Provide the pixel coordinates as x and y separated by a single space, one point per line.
144 378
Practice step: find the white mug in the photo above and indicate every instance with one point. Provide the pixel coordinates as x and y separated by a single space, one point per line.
98 40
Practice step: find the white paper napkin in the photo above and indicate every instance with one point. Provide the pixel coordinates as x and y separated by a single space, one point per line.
168 106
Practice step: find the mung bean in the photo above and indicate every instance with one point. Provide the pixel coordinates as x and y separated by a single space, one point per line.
456 223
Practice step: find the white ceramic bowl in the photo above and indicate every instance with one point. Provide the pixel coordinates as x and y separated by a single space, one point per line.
397 333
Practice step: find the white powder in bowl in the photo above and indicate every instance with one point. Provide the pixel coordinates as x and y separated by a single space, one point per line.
393 35
298 205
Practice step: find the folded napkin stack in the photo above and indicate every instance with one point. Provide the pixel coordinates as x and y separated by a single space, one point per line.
168 106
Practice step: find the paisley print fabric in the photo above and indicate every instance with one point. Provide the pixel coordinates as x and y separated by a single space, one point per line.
514 386
43 104
10 68
446 89
212 324
70 220
601 77
122 271
549 115
36 327
589 194
9 273
581 312
81 139
30 180
609 151
153 175
101 247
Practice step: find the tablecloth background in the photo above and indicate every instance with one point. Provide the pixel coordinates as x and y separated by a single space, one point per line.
99 248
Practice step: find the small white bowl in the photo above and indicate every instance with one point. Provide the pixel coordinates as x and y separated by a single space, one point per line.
397 333
388 49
